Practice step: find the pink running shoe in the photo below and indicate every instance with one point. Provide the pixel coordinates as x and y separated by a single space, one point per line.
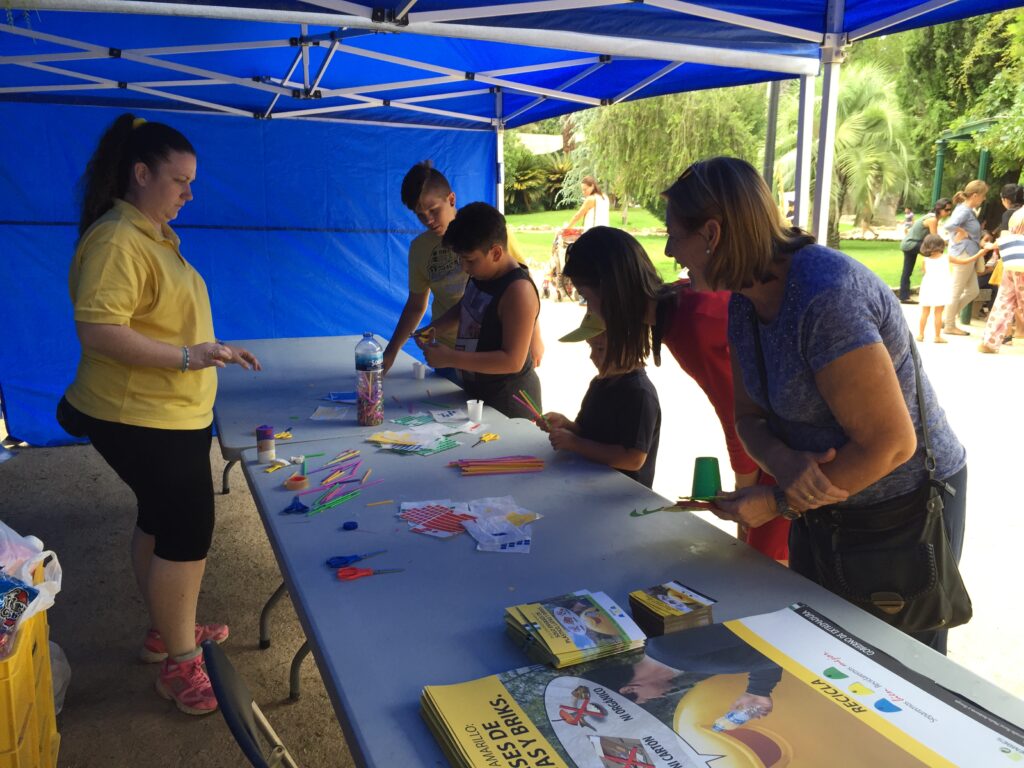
187 685
154 650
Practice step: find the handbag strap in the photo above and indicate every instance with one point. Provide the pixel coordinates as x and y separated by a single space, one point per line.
922 408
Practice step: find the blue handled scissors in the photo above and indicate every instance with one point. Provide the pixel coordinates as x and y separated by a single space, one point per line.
342 560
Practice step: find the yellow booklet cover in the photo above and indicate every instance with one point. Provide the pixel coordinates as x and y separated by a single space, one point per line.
488 726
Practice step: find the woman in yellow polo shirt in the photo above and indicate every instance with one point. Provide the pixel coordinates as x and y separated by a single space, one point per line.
145 385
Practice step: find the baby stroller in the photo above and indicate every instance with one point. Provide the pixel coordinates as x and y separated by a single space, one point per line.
554 284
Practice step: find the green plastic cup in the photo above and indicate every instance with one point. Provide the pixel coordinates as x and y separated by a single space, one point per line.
707 480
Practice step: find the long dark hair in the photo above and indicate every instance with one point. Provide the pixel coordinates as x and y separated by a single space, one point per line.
941 204
615 265
126 142
1014 193
592 182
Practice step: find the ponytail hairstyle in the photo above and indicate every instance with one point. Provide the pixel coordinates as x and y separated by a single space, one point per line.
126 142
592 183
421 178
976 187
959 198
614 265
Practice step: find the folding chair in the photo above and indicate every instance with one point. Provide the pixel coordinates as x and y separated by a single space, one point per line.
244 718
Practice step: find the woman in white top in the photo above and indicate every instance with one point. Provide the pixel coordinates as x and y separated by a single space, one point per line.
594 210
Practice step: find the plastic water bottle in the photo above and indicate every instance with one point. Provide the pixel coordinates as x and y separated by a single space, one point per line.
733 719
370 381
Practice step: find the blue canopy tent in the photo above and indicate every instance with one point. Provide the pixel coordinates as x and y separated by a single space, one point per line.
306 115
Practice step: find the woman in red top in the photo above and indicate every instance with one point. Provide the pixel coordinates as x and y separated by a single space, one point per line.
692 325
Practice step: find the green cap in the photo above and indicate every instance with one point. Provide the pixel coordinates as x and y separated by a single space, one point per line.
591 326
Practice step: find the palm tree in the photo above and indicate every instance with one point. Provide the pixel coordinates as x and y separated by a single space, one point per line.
872 156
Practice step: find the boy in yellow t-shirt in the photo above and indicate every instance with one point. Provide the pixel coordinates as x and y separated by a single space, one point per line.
433 267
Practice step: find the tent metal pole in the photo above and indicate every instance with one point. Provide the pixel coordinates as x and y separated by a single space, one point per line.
911 13
291 70
510 85
804 138
736 19
499 149
106 83
342 6
511 9
41 58
536 38
160 63
832 55
402 84
571 81
304 51
323 66
768 170
547 67
444 96
633 90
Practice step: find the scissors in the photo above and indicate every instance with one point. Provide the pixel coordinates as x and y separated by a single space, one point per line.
680 506
343 560
351 573
486 437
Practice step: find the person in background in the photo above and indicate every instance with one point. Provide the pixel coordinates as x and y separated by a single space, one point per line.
434 269
616 277
822 366
594 211
1012 198
926 225
619 421
495 319
908 219
1009 306
935 285
965 248
146 382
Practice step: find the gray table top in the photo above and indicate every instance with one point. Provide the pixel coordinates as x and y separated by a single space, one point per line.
296 374
379 640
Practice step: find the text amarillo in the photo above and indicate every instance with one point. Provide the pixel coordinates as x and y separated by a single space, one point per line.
510 738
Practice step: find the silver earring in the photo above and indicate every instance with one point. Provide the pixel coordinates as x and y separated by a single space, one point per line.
707 252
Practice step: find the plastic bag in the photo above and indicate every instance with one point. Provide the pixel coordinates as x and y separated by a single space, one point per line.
19 556
61 670
15 598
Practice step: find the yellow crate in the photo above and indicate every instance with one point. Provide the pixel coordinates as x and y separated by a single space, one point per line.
28 725
26 753
18 686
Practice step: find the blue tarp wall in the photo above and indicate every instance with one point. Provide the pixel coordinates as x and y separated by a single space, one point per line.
296 226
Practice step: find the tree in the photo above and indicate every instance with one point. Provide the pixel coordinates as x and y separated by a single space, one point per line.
637 149
872 156
524 176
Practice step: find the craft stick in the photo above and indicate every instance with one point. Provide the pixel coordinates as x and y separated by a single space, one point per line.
333 502
314 455
378 503
328 486
368 472
527 406
533 405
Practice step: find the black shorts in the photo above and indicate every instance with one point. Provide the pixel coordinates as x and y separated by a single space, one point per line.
169 471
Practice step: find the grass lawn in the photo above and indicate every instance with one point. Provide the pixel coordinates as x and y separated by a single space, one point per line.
884 258
639 218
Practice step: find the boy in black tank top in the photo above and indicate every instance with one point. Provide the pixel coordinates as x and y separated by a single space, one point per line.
495 317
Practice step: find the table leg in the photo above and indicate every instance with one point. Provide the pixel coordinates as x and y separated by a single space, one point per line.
293 680
265 616
226 489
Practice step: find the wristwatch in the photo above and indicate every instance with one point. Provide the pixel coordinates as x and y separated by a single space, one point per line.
782 504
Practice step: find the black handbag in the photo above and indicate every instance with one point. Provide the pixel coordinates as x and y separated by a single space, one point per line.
892 558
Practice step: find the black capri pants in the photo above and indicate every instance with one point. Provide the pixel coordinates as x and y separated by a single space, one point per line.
169 472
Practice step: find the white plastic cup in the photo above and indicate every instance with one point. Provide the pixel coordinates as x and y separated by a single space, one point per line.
419 370
475 409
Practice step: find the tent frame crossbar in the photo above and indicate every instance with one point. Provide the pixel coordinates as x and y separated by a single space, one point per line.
537 38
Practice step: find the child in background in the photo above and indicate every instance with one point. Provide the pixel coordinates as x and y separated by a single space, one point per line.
495 317
619 423
936 285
